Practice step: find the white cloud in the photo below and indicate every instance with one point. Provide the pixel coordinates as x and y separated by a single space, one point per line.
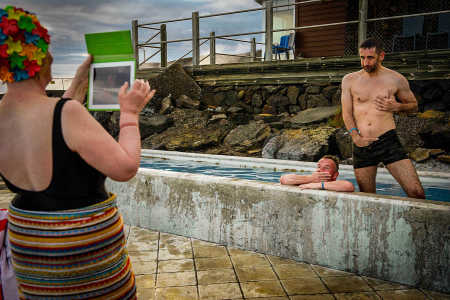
64 70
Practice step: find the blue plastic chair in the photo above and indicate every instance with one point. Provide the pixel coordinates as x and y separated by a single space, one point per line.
286 45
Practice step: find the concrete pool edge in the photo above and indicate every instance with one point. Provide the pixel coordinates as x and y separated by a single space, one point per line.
391 238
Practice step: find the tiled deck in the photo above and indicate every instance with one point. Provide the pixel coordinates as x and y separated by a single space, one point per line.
175 267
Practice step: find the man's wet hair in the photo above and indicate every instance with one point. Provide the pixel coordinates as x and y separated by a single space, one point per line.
372 43
333 158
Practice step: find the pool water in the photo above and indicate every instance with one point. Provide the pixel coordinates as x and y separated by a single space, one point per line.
438 191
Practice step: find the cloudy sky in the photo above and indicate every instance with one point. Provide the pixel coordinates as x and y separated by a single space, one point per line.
68 21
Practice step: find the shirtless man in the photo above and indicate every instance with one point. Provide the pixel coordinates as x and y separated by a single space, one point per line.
324 178
368 107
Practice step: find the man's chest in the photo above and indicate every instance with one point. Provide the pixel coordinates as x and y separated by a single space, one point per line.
364 91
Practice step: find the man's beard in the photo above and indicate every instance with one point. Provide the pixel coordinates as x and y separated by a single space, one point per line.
371 69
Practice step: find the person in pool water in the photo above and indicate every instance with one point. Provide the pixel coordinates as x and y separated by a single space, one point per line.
369 101
324 178
66 234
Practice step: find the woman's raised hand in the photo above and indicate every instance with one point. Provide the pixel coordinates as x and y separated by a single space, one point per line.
135 99
83 70
78 87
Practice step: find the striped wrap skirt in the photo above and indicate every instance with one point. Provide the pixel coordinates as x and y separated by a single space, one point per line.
71 254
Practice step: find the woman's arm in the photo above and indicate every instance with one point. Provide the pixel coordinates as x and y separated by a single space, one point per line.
78 87
83 134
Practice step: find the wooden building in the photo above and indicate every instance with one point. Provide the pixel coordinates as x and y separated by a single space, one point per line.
322 41
429 31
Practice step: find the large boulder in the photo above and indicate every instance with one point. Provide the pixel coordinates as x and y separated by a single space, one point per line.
426 130
316 101
313 89
433 93
166 105
292 94
190 118
436 136
153 124
444 158
293 109
272 146
441 105
208 98
305 144
420 154
175 81
344 143
192 130
302 101
230 98
186 102
187 139
278 101
235 109
435 96
217 117
272 89
109 121
408 131
245 137
313 115
257 100
329 91
336 98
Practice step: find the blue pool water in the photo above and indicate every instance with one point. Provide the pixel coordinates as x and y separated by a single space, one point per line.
433 192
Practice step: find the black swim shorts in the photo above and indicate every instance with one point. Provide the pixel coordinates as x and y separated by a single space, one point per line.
386 149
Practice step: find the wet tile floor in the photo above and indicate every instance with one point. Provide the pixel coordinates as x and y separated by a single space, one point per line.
173 267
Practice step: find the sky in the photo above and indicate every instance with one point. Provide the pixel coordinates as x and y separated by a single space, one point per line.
68 20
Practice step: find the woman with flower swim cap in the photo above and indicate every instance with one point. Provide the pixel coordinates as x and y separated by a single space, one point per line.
66 234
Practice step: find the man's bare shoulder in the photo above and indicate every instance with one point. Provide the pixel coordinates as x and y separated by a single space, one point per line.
350 77
393 74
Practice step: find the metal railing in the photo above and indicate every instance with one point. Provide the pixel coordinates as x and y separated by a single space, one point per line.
196 44
196 39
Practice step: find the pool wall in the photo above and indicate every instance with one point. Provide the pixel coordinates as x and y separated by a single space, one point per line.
392 238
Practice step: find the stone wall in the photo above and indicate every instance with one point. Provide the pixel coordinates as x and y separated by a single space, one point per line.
276 99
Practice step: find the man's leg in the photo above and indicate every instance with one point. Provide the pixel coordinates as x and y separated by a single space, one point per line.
366 178
406 175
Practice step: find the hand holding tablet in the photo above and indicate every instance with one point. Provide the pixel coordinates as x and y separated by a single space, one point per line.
113 64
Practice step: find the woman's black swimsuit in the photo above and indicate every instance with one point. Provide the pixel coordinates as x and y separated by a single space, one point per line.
74 183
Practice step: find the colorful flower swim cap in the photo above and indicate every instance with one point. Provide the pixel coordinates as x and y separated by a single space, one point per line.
23 44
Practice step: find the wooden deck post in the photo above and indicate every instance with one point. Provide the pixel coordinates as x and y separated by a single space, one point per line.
163 45
269 30
134 32
253 50
195 39
212 48
362 26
